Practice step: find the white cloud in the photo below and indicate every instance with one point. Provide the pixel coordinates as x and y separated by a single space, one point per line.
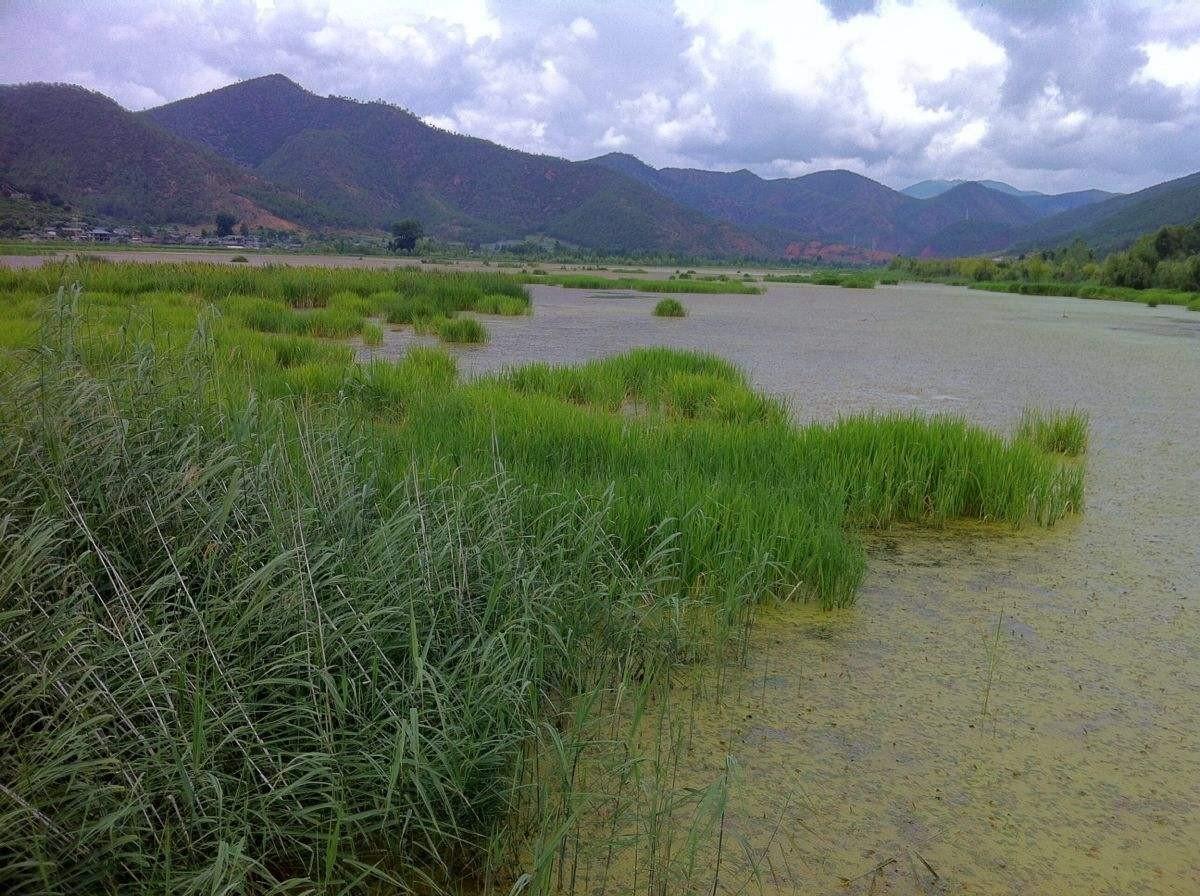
1171 65
583 29
611 140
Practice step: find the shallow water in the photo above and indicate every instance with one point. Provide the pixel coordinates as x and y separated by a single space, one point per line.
999 713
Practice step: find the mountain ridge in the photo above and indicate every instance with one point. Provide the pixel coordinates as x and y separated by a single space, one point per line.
279 155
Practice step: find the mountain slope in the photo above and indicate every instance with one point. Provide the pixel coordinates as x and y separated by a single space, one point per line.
376 163
1117 222
86 148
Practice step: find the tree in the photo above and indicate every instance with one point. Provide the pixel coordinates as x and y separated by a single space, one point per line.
405 235
225 222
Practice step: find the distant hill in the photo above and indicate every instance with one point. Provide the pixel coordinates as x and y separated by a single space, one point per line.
844 208
927 189
1118 221
1042 204
376 163
83 147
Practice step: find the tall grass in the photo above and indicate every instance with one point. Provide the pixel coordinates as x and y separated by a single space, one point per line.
280 622
234 657
1061 432
465 330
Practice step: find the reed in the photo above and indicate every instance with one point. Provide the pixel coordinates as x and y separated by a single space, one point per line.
279 621
670 308
1063 432
465 330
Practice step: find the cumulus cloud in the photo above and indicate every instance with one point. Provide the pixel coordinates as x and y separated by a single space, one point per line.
1053 95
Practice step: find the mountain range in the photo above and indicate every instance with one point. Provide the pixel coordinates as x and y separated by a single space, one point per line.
276 155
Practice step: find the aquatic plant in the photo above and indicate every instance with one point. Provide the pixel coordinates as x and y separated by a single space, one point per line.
280 620
1060 432
462 330
372 333
670 308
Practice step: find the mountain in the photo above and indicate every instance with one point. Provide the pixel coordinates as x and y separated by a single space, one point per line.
277 155
375 163
81 146
927 189
841 208
1118 221
1043 204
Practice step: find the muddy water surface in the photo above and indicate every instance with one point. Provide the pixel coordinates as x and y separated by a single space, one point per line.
999 713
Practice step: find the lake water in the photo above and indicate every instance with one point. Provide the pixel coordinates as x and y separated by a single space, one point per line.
1000 713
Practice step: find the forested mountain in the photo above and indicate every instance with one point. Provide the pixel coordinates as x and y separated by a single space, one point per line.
79 145
1117 222
374 163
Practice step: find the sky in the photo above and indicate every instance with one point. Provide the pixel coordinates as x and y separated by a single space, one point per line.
1051 95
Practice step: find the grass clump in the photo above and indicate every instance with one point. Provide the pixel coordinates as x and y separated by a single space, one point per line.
239 259
500 304
858 281
1063 432
464 330
670 308
372 334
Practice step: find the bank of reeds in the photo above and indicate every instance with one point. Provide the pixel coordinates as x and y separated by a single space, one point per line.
277 621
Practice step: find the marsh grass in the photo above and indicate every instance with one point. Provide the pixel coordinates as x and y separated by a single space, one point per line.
849 279
464 330
280 622
1062 432
670 308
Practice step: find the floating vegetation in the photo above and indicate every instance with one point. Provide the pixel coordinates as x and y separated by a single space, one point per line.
670 308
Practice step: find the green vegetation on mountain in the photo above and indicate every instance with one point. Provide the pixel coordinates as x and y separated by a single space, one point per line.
1115 223
83 147
375 163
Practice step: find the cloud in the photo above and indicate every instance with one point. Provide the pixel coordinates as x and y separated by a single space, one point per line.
1171 66
1053 95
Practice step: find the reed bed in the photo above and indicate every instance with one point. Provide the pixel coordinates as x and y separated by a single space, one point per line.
849 279
281 622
